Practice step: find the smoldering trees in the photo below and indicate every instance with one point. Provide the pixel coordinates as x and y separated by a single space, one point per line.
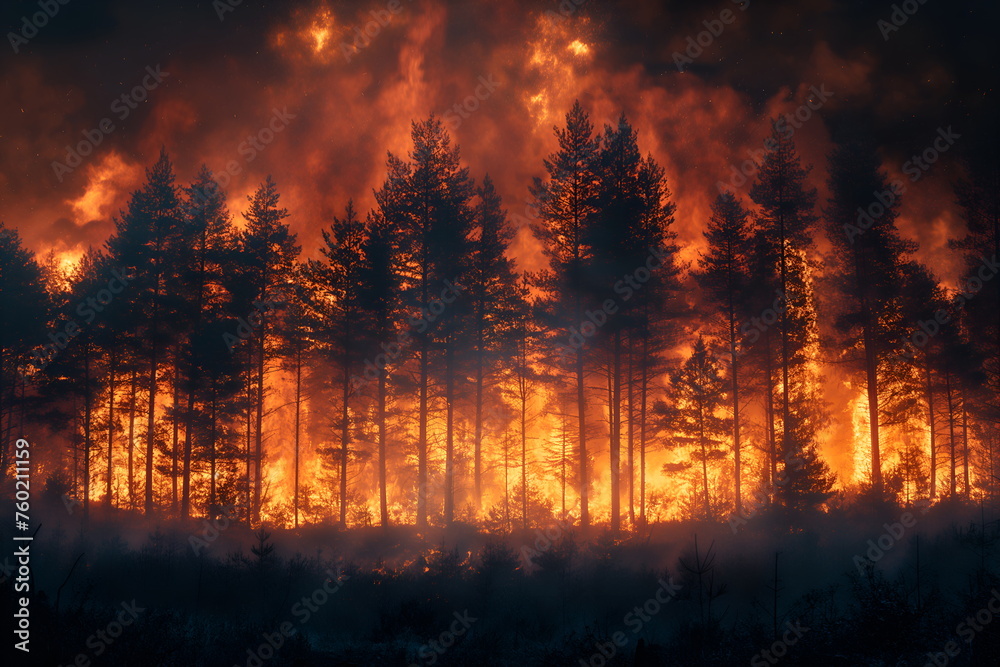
209 237
380 310
335 304
724 274
869 254
145 245
785 222
24 315
568 201
428 201
267 253
689 417
495 302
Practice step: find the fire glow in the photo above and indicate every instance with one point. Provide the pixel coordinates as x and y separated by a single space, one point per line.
556 63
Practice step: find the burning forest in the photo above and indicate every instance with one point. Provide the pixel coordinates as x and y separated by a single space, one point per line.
583 333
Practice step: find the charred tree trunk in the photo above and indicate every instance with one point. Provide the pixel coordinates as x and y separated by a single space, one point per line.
772 437
449 448
478 433
151 430
112 369
630 416
175 465
258 452
422 439
382 482
951 433
298 429
931 426
133 397
345 427
87 417
616 395
581 408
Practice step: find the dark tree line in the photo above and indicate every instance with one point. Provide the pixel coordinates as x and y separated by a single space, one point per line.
414 360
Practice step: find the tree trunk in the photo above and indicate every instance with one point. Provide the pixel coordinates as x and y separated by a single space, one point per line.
951 432
112 368
131 438
151 431
930 421
298 428
616 415
630 416
581 408
449 449
523 390
258 453
772 436
478 436
734 360
345 432
643 392
175 465
87 414
382 490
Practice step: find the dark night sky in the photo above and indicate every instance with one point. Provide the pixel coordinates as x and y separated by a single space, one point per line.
226 77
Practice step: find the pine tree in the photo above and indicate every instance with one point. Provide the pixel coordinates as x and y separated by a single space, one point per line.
493 300
690 418
209 235
145 245
724 273
785 224
568 203
267 255
869 275
428 201
336 307
379 343
617 239
25 309
654 310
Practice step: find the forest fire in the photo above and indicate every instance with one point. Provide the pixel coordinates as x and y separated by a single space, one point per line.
401 332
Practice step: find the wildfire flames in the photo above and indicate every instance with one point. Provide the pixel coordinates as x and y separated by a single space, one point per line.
354 81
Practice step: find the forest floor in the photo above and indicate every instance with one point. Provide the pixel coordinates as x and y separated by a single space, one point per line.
887 586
